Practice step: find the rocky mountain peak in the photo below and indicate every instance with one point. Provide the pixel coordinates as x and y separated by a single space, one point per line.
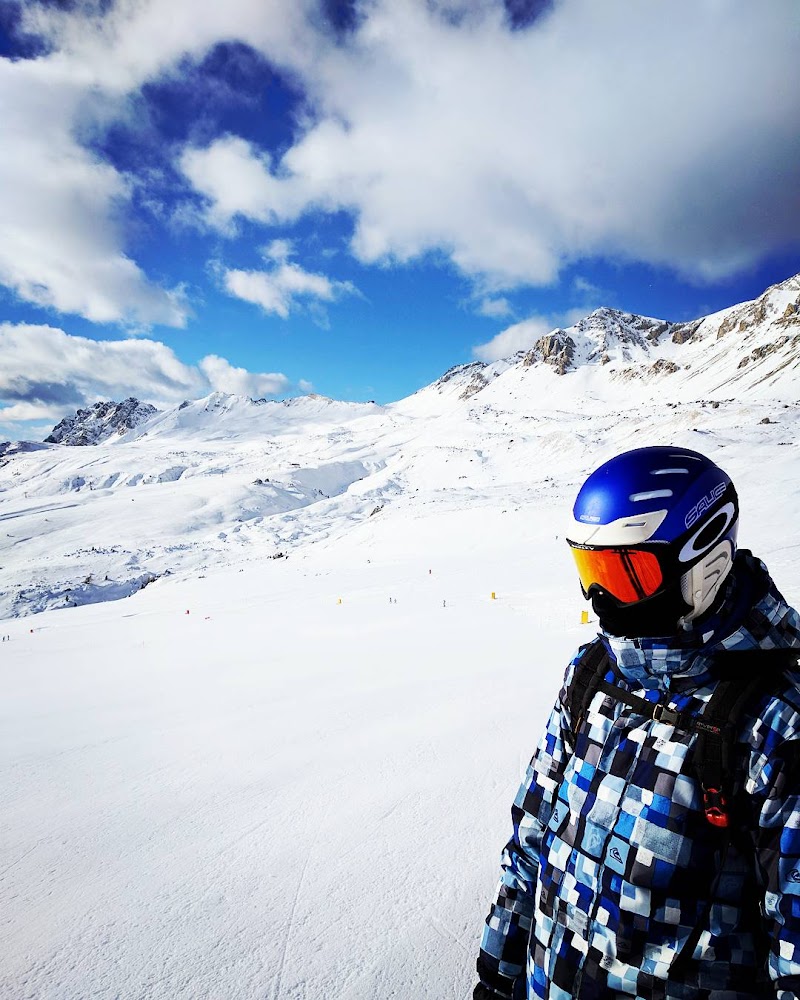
100 422
615 326
557 349
779 306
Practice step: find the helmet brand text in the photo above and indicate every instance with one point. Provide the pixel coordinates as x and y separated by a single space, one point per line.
705 503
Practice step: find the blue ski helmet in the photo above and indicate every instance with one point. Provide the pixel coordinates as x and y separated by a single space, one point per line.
653 518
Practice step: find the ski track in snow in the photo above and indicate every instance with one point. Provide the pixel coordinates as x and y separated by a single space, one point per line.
289 929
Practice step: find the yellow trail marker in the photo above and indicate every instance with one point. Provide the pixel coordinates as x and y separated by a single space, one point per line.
584 617
494 598
339 601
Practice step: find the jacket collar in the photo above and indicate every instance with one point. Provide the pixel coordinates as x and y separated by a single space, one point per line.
751 613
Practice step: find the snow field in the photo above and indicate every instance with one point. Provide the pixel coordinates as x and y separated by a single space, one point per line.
277 795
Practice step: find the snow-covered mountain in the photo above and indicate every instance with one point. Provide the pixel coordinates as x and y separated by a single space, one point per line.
746 351
225 479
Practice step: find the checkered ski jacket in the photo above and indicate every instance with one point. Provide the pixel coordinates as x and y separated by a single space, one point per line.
612 862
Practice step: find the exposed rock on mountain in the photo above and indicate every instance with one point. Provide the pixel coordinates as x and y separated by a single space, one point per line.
556 349
100 422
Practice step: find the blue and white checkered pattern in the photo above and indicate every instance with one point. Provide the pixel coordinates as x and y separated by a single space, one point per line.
612 862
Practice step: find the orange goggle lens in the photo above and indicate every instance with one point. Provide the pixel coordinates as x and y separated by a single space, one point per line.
630 575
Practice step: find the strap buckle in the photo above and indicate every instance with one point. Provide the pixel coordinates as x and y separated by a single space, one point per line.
661 713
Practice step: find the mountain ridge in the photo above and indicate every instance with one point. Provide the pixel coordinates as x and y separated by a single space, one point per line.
225 480
749 344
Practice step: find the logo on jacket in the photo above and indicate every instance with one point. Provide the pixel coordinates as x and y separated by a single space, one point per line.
617 856
794 875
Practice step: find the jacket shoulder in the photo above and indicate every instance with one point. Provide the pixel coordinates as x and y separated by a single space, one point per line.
583 658
773 727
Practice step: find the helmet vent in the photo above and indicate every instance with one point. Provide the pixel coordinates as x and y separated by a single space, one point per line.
651 495
669 472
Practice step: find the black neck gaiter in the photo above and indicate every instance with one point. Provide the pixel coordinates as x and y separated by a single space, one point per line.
655 616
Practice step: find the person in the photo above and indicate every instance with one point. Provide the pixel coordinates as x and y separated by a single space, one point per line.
630 872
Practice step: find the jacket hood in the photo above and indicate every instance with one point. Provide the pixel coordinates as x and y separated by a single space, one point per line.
750 614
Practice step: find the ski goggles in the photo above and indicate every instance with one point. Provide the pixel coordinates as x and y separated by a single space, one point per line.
628 574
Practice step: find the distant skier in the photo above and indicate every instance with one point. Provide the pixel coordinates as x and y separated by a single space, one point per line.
656 836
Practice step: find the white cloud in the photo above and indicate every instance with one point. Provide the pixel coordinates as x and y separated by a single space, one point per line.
436 126
224 377
22 412
494 308
137 40
585 287
47 373
518 337
280 250
61 244
518 151
236 181
62 209
285 285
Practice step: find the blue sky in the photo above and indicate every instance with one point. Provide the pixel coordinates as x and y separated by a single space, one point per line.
351 196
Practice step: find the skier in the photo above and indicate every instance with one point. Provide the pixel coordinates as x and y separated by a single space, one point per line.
656 836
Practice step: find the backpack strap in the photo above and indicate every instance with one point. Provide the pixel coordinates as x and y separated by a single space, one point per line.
746 674
590 668
590 677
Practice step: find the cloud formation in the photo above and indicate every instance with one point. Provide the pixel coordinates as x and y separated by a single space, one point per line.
61 242
663 131
284 285
75 371
494 308
64 210
224 377
236 179
440 128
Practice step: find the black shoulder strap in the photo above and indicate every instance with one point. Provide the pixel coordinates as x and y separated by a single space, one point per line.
746 675
590 677
590 669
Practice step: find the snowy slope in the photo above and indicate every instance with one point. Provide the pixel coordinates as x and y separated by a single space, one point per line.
226 479
291 777
190 486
